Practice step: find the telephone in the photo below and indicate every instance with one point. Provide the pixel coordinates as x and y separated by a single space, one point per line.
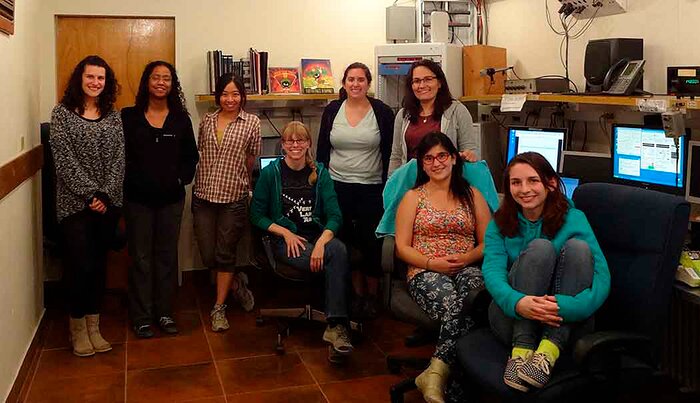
623 77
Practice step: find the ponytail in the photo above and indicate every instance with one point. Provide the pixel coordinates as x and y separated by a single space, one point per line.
313 177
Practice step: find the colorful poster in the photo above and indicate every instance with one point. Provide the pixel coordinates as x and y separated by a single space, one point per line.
316 76
284 80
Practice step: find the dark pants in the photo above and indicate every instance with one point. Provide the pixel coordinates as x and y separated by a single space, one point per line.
153 234
539 271
87 236
335 269
362 210
218 227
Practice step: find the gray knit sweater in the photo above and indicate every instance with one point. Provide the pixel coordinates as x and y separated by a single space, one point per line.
89 159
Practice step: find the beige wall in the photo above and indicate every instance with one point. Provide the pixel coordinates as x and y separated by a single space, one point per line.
667 27
21 304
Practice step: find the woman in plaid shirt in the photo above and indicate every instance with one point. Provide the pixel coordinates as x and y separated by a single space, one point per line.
229 141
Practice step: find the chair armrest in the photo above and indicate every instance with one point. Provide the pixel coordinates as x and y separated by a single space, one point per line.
388 244
612 343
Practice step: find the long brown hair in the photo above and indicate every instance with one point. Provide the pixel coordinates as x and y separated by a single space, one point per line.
300 131
74 97
555 204
443 98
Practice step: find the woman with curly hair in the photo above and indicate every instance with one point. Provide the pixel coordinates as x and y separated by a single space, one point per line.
87 143
161 156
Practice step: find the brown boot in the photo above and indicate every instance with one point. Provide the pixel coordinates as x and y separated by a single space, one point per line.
79 338
93 329
431 382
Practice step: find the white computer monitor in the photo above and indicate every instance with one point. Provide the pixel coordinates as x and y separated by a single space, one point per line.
265 160
548 142
692 189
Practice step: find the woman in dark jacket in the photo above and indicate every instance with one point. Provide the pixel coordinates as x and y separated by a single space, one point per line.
354 142
161 156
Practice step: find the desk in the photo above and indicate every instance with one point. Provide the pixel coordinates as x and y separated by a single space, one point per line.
591 100
681 350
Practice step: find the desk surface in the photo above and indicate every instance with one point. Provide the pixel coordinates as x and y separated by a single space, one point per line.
590 99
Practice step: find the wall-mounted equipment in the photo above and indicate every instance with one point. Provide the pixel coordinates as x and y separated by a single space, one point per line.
582 9
683 81
400 24
602 58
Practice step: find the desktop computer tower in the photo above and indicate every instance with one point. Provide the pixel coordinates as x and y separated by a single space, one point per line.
602 54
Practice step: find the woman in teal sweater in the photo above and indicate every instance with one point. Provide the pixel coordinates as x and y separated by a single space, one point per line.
295 200
544 268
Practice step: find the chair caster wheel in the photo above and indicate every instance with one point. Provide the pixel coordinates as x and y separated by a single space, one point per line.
279 349
259 321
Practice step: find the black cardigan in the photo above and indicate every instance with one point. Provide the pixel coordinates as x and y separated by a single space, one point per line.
385 121
159 163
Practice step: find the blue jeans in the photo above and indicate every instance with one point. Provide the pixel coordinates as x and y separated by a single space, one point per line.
335 268
539 271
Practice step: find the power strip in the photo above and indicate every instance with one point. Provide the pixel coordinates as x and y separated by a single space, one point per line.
598 8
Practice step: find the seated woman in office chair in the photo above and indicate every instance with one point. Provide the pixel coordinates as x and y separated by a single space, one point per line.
440 226
294 199
544 268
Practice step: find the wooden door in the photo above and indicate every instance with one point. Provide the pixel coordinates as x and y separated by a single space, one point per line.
126 43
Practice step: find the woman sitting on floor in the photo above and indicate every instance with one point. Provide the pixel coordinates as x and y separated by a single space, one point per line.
440 226
544 268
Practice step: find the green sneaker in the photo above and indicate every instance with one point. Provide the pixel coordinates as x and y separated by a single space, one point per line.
339 337
218 318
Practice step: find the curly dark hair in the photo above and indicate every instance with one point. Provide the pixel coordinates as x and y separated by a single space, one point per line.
459 186
176 98
443 99
74 97
555 205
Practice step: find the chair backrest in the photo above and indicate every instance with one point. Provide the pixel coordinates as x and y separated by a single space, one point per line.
641 233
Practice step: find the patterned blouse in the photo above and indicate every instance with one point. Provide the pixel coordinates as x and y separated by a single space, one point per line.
438 233
222 175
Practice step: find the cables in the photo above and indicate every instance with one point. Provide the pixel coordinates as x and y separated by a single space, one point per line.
271 124
568 20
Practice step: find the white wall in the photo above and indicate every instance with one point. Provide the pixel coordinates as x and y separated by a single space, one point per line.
667 27
21 302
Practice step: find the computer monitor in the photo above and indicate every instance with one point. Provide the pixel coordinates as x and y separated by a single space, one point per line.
548 142
643 156
570 184
587 166
265 160
692 189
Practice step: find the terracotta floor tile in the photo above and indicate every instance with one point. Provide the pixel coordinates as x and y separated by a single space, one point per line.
187 322
98 389
305 336
173 384
218 399
168 351
242 340
366 360
366 390
64 364
387 328
398 347
263 373
302 394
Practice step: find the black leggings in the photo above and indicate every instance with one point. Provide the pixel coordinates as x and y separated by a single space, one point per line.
362 209
87 236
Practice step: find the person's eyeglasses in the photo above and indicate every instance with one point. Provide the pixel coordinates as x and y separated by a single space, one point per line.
424 80
292 142
166 79
441 157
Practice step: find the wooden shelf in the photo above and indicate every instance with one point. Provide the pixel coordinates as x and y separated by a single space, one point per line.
589 99
268 98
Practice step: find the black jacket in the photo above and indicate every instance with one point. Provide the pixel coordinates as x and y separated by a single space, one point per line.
158 163
385 121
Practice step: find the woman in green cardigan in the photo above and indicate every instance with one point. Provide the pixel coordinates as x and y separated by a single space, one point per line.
295 200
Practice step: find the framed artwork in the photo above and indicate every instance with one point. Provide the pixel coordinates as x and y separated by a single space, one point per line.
7 16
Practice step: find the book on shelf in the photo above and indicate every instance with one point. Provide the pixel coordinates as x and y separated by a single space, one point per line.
316 76
284 80
258 71
218 64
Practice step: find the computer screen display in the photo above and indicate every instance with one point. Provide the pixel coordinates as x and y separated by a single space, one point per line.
644 155
570 184
548 142
265 160
692 191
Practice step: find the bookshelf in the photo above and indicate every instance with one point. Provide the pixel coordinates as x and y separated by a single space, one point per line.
267 98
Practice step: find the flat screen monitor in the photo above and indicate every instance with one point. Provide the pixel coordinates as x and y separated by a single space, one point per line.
644 156
548 142
587 166
570 184
692 189
265 160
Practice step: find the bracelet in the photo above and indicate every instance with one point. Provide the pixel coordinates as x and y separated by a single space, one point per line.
427 263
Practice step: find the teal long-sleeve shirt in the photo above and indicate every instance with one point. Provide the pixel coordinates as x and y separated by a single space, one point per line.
500 252
266 206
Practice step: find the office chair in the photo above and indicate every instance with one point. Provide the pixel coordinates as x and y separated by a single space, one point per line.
641 233
284 316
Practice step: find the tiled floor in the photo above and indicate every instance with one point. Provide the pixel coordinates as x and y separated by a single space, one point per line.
198 365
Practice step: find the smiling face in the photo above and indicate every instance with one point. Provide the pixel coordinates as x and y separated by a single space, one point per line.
230 100
295 146
356 83
529 190
93 80
160 82
425 83
437 163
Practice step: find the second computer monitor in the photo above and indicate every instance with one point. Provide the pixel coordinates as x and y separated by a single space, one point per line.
548 142
692 190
